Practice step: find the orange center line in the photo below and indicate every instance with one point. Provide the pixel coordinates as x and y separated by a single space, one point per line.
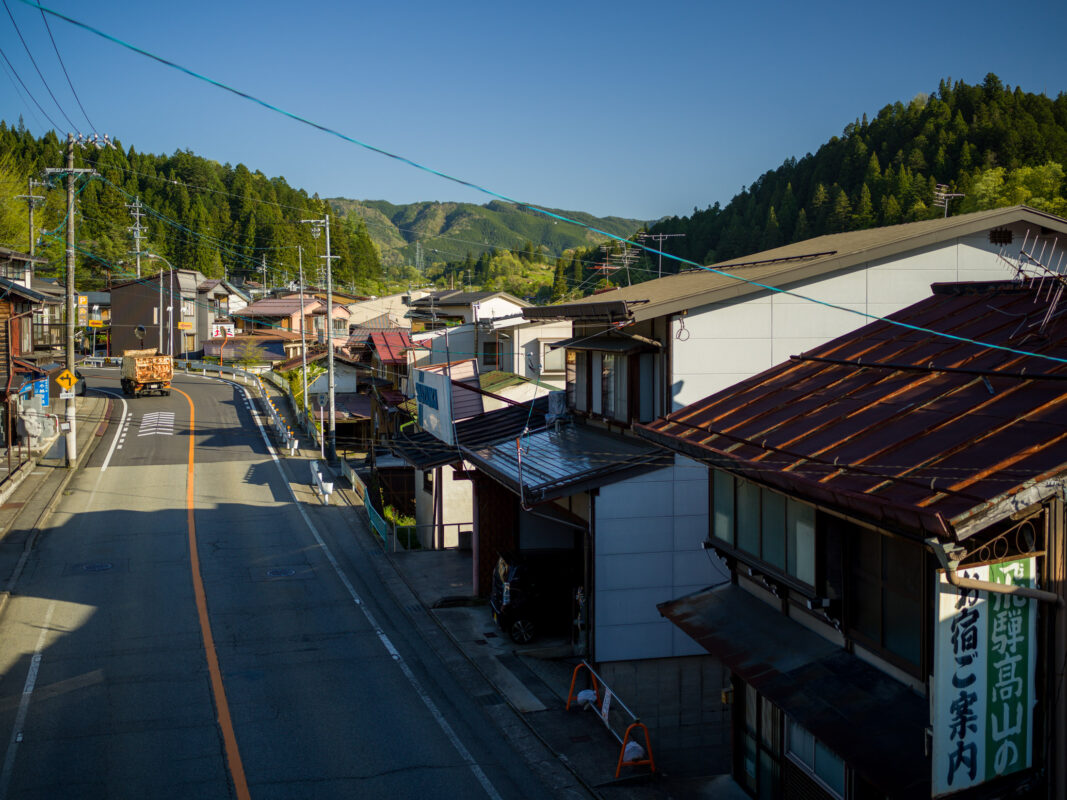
229 738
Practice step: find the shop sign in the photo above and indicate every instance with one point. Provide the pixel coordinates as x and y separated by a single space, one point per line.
983 683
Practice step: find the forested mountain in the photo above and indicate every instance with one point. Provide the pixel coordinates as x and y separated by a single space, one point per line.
451 231
996 145
197 214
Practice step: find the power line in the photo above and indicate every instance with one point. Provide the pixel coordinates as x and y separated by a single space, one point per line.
25 88
44 18
519 204
34 62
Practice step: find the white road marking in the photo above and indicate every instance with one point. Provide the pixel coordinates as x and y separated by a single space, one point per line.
24 704
157 423
398 659
121 428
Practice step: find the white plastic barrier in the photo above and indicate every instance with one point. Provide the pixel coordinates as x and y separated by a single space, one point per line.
325 487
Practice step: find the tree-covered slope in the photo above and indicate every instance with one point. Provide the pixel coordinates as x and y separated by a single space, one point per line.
996 145
450 231
196 214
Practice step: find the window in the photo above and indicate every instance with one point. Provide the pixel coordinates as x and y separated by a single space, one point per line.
490 354
758 756
572 379
815 758
769 526
553 359
607 385
884 595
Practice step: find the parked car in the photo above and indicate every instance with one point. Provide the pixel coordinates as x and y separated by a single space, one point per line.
533 592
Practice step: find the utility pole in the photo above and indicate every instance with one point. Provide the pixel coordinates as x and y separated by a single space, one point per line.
303 318
71 307
263 270
659 238
135 211
32 200
316 224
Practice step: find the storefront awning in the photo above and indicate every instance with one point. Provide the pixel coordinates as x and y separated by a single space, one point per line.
876 724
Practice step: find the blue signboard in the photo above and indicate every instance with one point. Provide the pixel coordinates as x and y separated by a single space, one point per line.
40 389
427 395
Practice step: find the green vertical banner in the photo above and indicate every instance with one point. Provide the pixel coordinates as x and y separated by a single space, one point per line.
1011 645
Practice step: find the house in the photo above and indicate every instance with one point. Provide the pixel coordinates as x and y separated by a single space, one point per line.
891 509
640 352
456 307
218 301
394 307
157 311
476 409
511 344
35 330
290 313
260 346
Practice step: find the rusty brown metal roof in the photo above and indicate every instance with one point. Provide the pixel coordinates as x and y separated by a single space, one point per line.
900 425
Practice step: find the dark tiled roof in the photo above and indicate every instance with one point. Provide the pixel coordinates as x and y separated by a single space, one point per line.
925 431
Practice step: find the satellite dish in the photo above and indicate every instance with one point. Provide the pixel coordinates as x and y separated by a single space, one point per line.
139 332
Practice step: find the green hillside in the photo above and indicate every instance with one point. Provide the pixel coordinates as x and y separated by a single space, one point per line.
996 145
448 232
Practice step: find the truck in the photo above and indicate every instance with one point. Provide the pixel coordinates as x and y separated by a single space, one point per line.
146 371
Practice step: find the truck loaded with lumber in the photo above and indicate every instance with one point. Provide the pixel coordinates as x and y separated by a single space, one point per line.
146 371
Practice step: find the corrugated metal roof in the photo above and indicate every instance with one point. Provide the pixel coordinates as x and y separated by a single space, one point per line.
423 450
896 424
784 266
831 693
557 462
390 345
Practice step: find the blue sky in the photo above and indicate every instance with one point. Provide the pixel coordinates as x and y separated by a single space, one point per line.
623 108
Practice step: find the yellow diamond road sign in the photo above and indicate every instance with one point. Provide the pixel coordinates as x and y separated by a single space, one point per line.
66 379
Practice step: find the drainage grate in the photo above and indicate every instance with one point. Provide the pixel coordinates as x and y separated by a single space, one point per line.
281 572
96 566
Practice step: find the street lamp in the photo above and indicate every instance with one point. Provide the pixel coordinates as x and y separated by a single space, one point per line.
170 305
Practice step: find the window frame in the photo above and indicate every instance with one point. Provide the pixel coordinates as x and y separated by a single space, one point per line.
858 574
555 352
811 769
756 560
493 346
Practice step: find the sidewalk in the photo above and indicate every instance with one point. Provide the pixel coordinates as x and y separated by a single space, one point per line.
31 492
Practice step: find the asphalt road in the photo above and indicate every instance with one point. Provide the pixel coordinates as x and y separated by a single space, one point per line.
228 638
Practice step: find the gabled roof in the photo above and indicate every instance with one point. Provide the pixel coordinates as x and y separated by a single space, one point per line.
929 434
784 266
458 297
15 255
391 346
298 361
383 322
279 307
10 287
